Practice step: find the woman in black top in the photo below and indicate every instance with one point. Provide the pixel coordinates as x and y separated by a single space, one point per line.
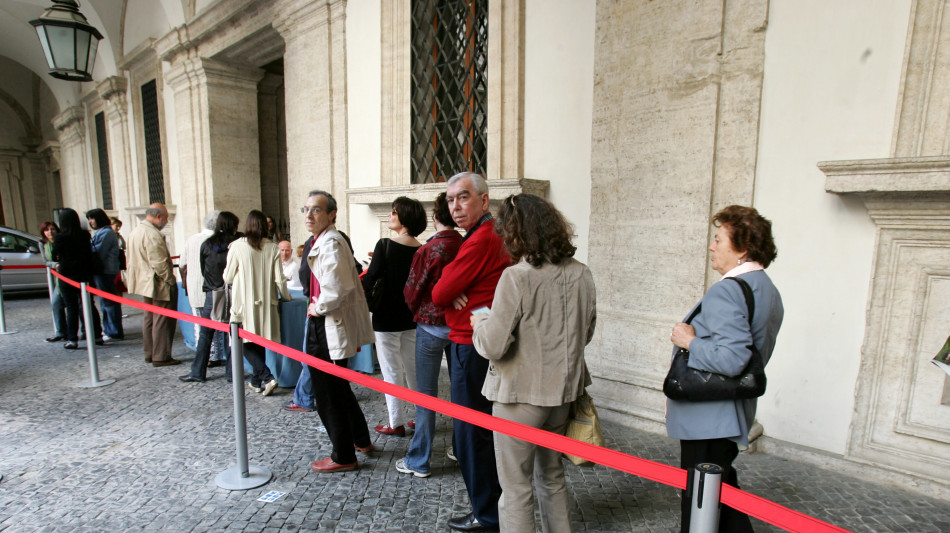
72 250
393 321
213 258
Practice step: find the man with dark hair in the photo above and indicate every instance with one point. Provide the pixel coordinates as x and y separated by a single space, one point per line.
468 283
337 325
151 276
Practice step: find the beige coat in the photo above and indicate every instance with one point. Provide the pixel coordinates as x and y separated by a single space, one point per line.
149 270
541 319
257 281
341 301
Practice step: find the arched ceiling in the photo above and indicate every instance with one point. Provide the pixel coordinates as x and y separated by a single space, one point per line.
147 18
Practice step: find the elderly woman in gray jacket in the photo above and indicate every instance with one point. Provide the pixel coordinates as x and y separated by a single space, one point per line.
718 340
542 317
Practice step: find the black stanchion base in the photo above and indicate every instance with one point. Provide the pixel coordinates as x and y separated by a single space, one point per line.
231 479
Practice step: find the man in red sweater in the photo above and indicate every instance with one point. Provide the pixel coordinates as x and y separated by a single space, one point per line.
468 283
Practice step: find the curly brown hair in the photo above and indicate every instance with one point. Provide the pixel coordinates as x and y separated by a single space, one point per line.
749 232
534 230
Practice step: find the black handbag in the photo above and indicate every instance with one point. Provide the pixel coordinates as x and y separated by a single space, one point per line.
374 296
688 384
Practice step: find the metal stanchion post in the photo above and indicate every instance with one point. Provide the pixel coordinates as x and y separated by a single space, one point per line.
707 483
3 318
90 343
241 476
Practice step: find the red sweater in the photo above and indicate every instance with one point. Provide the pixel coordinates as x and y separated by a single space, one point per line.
474 272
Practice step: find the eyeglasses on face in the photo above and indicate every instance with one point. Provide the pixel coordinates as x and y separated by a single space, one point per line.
315 210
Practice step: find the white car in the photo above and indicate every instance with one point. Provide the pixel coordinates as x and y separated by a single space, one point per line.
19 248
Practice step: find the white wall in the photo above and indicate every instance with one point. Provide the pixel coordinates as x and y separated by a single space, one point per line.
364 114
559 95
832 72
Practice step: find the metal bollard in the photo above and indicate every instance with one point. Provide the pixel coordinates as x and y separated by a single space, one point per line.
707 483
3 319
51 285
241 476
90 343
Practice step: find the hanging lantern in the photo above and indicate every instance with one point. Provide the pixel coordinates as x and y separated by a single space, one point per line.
68 40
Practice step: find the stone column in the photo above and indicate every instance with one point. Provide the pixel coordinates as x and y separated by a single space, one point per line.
506 89
77 183
315 79
218 146
125 190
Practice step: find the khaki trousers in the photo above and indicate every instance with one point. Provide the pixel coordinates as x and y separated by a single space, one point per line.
519 462
159 330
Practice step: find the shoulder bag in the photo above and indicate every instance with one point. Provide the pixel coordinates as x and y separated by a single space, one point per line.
690 384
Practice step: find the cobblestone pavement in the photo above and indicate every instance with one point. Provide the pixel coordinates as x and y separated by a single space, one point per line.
143 453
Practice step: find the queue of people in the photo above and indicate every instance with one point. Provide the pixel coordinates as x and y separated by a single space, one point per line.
506 304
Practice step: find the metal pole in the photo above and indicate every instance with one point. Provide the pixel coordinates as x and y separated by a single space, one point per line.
707 483
3 319
90 343
52 289
241 476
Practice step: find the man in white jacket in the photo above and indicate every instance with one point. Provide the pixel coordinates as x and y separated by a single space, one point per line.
338 324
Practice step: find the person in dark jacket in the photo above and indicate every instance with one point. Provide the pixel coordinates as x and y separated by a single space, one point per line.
72 251
106 244
213 258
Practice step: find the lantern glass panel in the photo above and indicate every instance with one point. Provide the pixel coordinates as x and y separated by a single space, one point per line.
93 47
82 50
62 45
44 41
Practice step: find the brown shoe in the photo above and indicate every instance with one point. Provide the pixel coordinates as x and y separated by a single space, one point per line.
328 465
168 362
363 449
148 360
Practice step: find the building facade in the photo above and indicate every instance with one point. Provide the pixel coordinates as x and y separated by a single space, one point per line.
638 119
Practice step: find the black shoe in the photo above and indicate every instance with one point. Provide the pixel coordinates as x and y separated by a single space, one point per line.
190 379
55 338
212 364
100 342
468 523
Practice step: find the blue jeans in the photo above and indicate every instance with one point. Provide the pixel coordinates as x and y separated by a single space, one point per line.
303 391
59 314
111 311
199 367
429 350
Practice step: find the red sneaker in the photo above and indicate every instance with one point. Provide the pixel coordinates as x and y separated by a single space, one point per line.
399 431
328 466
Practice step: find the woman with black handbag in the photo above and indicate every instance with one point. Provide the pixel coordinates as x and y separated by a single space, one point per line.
724 333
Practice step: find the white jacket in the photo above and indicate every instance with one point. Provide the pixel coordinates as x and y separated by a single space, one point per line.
341 300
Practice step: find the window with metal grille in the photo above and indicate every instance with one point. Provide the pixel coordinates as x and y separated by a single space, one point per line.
105 179
153 143
449 88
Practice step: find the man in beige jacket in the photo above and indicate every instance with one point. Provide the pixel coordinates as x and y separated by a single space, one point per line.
150 275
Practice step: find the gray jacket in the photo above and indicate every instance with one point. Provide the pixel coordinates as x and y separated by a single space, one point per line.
721 346
540 322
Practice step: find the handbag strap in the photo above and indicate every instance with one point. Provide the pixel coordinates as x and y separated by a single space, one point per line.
749 301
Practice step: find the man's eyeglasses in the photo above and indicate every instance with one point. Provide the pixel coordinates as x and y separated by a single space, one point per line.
310 210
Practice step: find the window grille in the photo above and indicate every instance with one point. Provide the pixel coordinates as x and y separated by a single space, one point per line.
105 179
449 89
153 143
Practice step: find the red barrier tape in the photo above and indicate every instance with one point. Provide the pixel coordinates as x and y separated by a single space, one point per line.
750 504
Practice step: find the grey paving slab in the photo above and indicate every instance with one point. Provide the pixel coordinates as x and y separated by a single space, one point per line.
142 454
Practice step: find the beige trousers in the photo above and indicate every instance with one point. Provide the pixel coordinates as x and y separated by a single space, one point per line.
520 462
158 331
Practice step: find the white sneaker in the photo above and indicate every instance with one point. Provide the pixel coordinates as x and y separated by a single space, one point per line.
106 338
401 467
269 387
253 388
450 453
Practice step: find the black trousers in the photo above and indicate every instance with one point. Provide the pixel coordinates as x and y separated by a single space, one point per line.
720 452
336 404
255 355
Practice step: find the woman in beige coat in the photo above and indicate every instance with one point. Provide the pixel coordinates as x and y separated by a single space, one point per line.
254 271
542 317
